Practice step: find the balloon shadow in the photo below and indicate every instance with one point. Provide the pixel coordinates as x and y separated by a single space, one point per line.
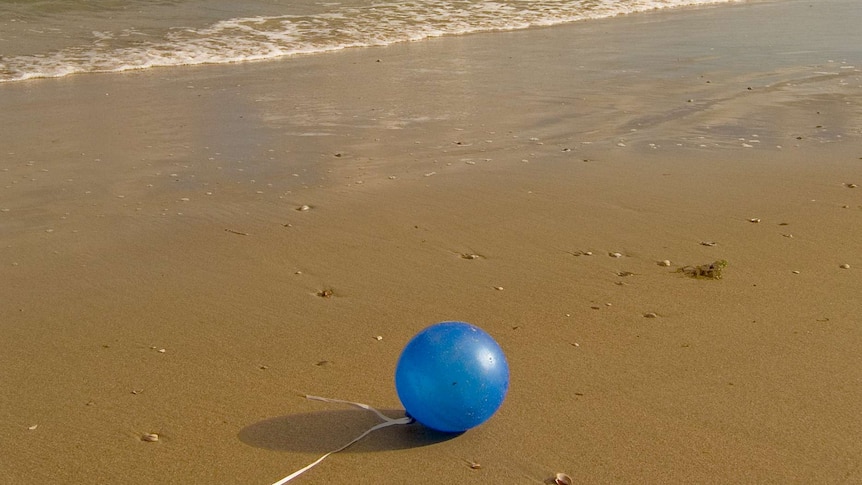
324 431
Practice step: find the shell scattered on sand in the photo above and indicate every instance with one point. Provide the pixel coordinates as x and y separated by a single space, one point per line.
650 315
665 262
615 255
845 266
562 479
303 208
755 220
150 437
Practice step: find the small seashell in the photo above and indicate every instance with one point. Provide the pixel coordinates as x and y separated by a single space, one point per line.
615 255
378 338
851 186
31 428
754 220
650 315
845 266
708 243
665 262
795 272
562 479
150 437
498 288
303 208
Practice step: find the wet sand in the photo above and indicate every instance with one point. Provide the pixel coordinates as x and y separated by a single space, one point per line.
157 276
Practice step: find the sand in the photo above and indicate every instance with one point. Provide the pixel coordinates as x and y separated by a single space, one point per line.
157 276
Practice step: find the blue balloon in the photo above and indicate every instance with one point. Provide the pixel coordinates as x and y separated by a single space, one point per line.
452 376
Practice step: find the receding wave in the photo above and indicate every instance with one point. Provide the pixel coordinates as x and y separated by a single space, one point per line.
338 27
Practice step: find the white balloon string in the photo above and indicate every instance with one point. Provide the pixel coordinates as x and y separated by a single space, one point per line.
387 421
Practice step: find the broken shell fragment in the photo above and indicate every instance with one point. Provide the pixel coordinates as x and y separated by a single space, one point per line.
665 262
562 479
150 437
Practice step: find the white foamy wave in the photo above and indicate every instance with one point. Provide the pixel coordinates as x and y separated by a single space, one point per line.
338 27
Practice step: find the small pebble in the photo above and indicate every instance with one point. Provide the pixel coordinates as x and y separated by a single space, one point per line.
303 208
845 266
615 255
378 338
795 272
665 263
498 288
150 437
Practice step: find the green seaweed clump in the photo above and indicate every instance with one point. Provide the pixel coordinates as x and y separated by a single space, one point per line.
711 271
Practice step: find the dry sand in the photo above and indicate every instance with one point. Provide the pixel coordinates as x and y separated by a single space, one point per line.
157 277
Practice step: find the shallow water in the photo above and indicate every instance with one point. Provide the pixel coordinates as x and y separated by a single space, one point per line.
57 38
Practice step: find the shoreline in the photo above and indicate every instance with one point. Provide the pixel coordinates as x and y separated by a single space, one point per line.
158 211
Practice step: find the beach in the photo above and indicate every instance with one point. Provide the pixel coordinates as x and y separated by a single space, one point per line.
189 251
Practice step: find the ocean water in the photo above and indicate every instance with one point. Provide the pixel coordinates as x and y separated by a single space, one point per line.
55 38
